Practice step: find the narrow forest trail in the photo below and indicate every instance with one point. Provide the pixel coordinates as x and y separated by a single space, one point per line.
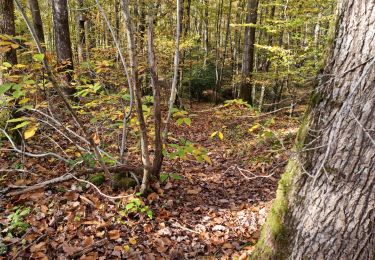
207 210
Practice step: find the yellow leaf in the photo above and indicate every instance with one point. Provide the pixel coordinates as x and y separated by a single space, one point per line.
30 132
23 101
133 241
221 136
213 134
253 128
207 159
126 248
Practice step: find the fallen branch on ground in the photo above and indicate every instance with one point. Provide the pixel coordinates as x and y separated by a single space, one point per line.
67 177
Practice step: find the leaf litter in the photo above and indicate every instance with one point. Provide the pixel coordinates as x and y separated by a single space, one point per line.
211 211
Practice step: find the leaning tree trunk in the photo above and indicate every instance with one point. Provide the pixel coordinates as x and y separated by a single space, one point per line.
325 205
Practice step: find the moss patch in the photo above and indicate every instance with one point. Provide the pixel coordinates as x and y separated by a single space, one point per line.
97 179
122 182
273 242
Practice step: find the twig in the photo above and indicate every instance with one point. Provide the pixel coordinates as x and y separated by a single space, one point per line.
15 149
98 190
265 114
115 169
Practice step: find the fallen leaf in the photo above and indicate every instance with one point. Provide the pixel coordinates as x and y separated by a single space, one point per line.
68 249
194 191
133 241
38 247
114 234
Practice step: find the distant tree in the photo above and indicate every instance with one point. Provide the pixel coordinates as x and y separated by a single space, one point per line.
37 19
325 204
81 37
62 39
248 51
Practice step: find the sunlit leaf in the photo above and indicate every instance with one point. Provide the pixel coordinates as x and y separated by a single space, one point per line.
30 132
38 57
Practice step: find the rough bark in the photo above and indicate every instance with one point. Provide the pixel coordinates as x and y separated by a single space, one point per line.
325 202
248 54
62 39
81 37
7 27
37 19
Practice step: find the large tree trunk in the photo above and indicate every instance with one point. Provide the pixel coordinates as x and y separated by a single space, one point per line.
62 39
325 205
7 27
248 54
37 19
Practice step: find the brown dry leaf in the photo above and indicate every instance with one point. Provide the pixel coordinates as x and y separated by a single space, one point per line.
194 191
96 138
44 209
88 241
91 256
161 244
227 246
33 196
84 199
68 249
114 234
147 228
39 256
153 196
217 241
38 247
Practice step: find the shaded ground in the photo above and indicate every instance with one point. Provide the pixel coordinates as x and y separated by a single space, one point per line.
211 211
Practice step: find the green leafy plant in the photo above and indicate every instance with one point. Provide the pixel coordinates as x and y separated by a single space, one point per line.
182 117
18 226
187 150
172 176
137 206
237 103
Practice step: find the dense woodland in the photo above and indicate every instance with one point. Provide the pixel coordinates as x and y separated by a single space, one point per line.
187 129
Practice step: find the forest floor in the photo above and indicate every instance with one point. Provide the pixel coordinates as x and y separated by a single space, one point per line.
205 210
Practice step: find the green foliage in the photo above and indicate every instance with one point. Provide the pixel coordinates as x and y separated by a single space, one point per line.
187 150
85 90
171 176
97 179
237 103
181 116
18 226
200 79
137 206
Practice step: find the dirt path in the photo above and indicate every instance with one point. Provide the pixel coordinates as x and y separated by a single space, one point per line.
211 211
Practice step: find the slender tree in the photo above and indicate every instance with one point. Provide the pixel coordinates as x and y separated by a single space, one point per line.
326 199
137 95
37 19
248 52
81 36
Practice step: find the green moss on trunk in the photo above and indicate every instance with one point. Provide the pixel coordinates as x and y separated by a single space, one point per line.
274 240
